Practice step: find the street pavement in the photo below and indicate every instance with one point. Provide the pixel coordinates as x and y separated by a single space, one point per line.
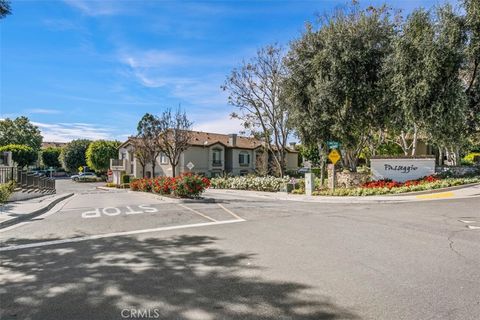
115 254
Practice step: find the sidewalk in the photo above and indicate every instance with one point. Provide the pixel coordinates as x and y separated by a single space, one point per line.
447 193
17 211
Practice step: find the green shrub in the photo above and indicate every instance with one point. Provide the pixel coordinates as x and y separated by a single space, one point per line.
6 190
23 155
125 178
89 179
471 158
268 183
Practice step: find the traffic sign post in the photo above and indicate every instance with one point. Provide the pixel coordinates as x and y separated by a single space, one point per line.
333 145
334 156
190 166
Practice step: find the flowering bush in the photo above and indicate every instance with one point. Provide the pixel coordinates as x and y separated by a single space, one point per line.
186 185
189 185
267 183
163 185
414 185
389 184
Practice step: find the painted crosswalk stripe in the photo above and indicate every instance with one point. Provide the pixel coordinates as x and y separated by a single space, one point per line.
196 212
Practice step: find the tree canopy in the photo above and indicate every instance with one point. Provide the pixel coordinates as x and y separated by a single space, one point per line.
20 131
100 152
5 8
336 86
73 155
255 88
50 157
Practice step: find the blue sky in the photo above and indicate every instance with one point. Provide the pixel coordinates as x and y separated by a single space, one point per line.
91 69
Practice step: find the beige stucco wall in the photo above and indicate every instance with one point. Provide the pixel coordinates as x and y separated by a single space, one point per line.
236 168
291 160
202 158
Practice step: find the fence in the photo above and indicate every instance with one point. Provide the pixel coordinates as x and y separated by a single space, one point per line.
26 180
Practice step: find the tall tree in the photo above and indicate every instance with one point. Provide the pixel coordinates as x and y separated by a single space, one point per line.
142 154
20 131
255 88
335 82
100 152
471 71
73 155
425 68
4 8
50 157
174 135
148 131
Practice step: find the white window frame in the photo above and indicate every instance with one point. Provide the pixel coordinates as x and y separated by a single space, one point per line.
245 156
219 152
163 158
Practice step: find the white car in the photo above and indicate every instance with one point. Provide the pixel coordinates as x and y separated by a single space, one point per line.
83 174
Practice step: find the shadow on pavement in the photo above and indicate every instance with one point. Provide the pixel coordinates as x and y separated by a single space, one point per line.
186 277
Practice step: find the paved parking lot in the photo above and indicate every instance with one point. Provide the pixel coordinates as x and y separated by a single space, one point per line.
103 252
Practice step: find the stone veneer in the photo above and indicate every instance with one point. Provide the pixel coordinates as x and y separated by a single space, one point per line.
346 178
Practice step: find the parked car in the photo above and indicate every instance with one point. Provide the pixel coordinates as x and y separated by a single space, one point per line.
303 170
77 177
40 173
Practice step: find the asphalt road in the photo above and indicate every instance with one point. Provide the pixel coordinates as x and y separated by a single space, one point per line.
123 255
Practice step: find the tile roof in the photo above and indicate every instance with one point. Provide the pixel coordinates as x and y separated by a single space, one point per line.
206 139
47 144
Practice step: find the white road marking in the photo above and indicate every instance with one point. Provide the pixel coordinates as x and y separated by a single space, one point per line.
195 211
115 234
467 221
13 226
473 227
228 211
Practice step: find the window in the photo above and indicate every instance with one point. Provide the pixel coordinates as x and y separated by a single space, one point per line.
244 158
216 157
163 158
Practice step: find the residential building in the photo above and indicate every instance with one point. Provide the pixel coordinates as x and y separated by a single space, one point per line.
209 154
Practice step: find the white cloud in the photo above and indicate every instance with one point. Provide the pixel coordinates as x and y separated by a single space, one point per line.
153 59
96 8
219 125
61 24
64 132
42 111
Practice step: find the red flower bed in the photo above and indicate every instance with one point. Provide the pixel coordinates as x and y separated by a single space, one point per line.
395 184
186 185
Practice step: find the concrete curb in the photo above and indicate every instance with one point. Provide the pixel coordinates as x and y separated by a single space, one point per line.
432 191
35 213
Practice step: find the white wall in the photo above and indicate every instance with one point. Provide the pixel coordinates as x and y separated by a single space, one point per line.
400 170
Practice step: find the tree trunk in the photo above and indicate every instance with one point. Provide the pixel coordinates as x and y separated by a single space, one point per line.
440 156
174 168
143 171
322 163
153 169
414 142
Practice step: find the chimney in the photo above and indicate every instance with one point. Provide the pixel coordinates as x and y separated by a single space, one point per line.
293 145
232 139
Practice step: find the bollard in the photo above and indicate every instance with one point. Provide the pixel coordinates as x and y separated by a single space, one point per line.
309 183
